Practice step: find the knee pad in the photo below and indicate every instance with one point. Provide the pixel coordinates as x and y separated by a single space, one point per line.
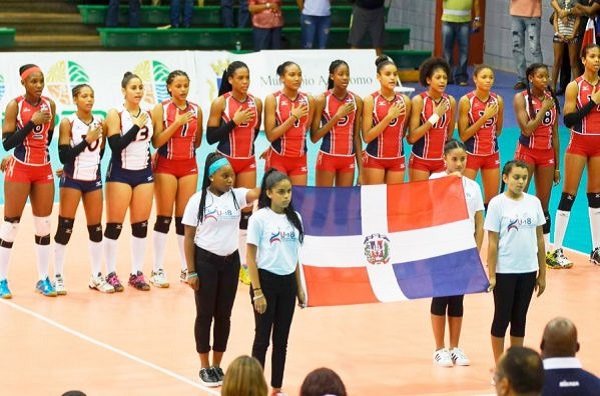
95 232
593 200
179 228
162 224
42 225
546 226
8 231
140 230
42 240
244 220
113 230
64 230
566 202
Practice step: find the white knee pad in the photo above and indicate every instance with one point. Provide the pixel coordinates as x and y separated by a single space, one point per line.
41 225
8 231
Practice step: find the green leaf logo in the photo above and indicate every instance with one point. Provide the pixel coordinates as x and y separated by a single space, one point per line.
160 72
76 74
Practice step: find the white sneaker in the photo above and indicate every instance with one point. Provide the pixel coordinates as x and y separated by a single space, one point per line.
99 283
59 285
442 358
159 279
458 357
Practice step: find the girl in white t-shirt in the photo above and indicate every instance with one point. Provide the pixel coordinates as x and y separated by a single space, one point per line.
516 256
211 242
275 233
455 159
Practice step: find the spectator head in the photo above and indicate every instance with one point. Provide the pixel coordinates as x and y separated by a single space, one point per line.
244 377
519 373
559 339
321 382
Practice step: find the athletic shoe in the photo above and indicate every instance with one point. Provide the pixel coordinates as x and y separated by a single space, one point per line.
244 275
159 279
183 276
558 259
442 358
138 281
595 256
458 357
99 283
114 281
208 377
218 371
59 285
4 290
45 287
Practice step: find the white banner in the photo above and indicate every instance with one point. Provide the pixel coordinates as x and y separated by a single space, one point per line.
104 71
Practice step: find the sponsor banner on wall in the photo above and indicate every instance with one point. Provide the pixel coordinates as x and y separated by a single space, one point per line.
104 72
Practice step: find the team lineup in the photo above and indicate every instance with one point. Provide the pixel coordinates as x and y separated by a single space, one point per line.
361 139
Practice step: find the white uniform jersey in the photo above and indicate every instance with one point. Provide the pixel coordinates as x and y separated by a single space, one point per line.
136 156
86 165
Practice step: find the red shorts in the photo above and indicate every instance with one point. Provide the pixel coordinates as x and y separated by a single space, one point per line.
20 172
389 164
584 145
428 165
177 168
242 165
536 157
291 166
335 163
476 162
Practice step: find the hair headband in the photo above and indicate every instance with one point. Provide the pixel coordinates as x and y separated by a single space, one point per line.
218 164
30 71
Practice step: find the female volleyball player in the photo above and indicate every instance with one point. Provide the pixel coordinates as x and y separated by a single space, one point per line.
431 120
177 135
337 122
129 180
288 116
480 119
27 128
384 122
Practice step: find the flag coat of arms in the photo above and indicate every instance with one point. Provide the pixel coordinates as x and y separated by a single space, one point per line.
383 243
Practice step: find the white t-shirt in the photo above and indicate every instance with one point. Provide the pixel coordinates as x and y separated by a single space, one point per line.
472 195
218 233
276 240
516 223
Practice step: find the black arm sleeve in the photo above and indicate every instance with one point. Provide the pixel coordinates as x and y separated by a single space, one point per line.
576 117
118 142
67 154
216 134
11 140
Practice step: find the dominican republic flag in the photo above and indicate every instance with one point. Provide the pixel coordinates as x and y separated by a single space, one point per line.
589 35
384 243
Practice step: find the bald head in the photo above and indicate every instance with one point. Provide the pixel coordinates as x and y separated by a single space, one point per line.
560 339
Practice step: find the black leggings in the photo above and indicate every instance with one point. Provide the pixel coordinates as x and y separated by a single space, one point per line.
218 278
280 292
454 304
512 295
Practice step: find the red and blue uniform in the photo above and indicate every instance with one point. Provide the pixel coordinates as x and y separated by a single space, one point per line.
585 135
537 148
482 147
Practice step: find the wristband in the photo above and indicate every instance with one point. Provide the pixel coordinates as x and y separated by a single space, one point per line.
477 19
256 298
256 288
433 119
192 275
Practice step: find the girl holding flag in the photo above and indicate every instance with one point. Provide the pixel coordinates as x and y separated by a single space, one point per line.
455 159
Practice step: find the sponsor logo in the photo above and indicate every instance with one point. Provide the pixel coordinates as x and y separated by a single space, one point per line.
154 77
62 77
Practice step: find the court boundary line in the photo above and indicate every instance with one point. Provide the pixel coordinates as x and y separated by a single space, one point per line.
108 347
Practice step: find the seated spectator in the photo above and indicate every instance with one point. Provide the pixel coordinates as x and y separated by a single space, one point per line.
519 373
564 374
267 22
112 15
227 13
323 381
244 377
315 21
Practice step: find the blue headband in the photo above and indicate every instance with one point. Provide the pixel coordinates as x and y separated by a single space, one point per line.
218 164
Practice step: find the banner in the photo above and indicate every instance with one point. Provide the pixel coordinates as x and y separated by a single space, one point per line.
385 243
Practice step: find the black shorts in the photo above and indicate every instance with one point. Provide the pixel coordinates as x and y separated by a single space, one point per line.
85 186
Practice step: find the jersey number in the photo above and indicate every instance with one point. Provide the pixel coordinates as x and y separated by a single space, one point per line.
547 120
489 122
143 134
92 146
37 131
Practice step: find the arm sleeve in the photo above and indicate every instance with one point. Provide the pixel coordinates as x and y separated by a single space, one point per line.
67 154
11 140
576 117
216 134
118 142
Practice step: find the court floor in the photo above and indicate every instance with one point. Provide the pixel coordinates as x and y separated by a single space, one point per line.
138 343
